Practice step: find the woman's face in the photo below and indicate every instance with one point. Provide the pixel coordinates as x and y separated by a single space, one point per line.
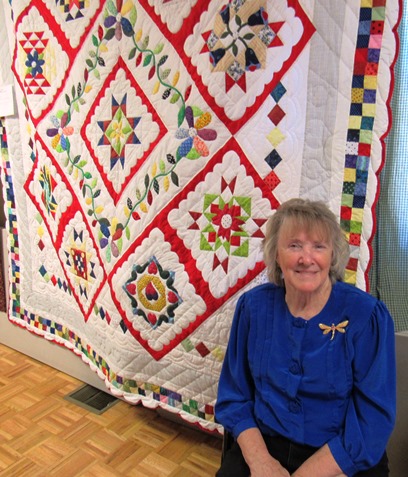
304 257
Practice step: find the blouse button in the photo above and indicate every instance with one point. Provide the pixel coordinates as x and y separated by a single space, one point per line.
294 368
294 406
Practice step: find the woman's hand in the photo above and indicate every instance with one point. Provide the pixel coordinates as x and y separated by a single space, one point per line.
320 464
268 468
256 455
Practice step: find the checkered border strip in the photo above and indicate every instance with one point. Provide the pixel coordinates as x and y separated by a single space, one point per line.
360 127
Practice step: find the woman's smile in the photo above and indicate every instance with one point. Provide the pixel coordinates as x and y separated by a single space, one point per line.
304 258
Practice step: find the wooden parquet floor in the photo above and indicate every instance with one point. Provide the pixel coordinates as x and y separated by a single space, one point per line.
44 435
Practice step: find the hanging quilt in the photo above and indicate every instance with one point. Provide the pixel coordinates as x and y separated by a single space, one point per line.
154 138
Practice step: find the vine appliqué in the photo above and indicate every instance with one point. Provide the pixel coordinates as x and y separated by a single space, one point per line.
120 19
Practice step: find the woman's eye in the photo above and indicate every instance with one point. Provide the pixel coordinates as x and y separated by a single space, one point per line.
294 245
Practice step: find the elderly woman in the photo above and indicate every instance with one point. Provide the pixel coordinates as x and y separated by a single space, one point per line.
308 385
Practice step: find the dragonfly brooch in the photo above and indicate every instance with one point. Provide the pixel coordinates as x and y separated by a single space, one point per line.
333 328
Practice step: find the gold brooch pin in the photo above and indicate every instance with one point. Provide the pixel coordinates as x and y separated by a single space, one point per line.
333 328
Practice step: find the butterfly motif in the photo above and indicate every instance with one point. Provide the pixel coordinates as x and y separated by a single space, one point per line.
333 328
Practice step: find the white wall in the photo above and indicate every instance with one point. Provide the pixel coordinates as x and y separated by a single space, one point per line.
47 352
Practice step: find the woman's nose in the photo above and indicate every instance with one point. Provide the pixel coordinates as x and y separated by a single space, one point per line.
305 257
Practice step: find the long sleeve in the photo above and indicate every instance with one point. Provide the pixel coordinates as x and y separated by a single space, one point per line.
285 376
370 414
235 403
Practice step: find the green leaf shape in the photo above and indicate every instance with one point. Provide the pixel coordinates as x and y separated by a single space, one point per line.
145 42
196 111
174 178
162 60
109 34
164 74
111 7
132 53
132 17
193 154
158 49
148 59
181 115
175 98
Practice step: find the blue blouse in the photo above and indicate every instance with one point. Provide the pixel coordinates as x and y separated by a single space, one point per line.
283 375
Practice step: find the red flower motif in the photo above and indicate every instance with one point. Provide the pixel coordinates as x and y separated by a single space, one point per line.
227 219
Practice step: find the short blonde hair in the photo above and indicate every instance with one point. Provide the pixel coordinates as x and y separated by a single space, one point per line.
305 215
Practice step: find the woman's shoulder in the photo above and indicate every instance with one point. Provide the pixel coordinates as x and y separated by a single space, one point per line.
263 289
259 300
352 292
356 302
261 293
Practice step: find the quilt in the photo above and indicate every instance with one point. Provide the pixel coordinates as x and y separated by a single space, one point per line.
152 141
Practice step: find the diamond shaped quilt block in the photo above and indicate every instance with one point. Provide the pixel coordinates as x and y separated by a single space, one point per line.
220 221
241 50
75 17
153 291
47 189
82 265
121 129
35 64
